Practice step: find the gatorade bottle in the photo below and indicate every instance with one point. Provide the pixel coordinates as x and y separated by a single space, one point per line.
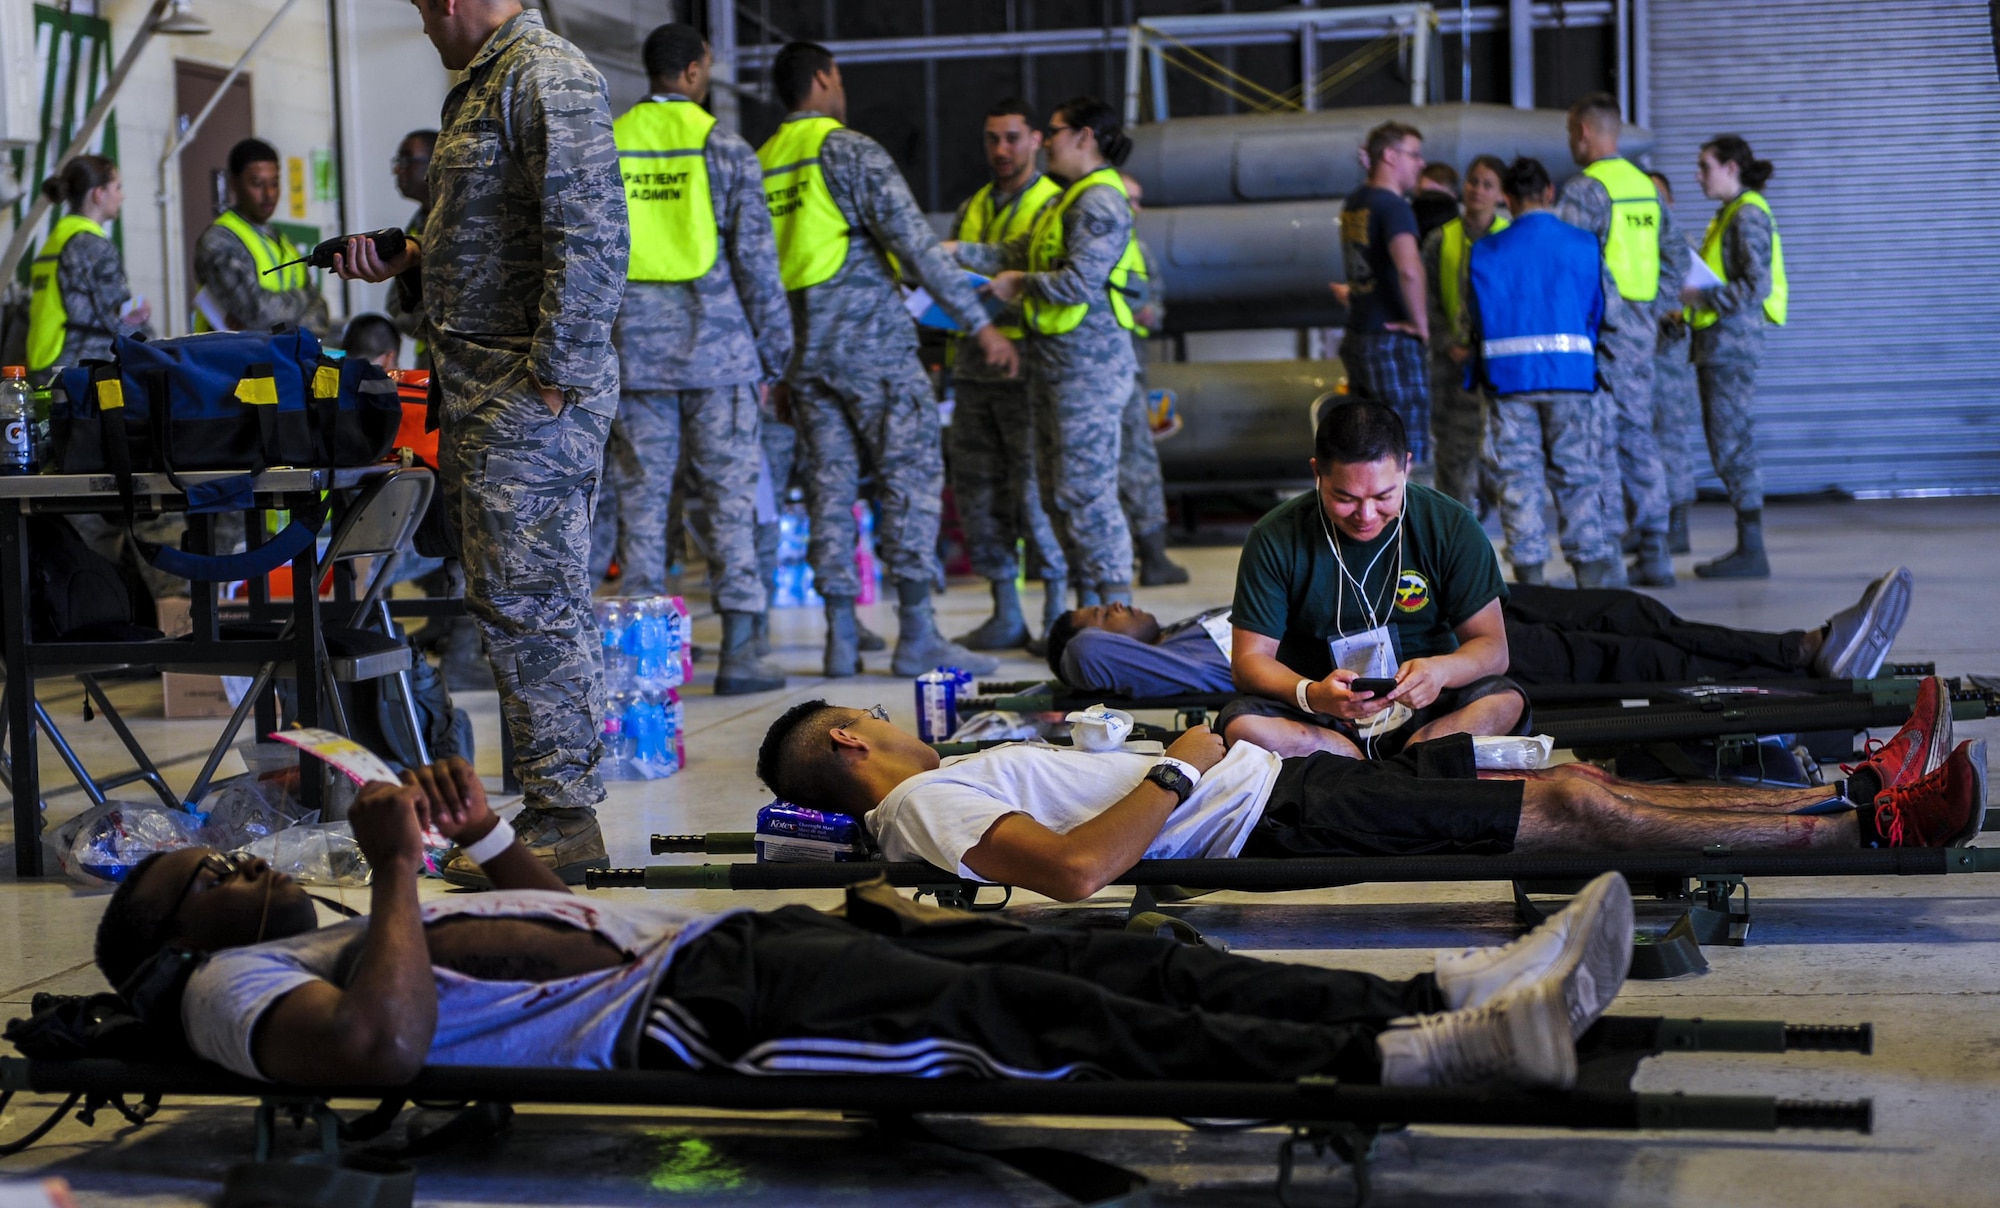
17 419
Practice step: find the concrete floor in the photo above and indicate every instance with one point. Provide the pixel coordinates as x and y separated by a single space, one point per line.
1919 959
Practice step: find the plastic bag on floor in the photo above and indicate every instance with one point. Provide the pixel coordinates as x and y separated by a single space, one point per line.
1511 753
244 809
105 842
315 854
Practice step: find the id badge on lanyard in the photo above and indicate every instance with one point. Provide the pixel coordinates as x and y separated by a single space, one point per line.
1370 654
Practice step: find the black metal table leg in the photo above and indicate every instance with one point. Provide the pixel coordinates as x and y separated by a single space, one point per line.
306 660
27 780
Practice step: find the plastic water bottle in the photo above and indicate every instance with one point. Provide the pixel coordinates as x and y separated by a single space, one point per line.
937 704
17 419
611 626
614 735
647 722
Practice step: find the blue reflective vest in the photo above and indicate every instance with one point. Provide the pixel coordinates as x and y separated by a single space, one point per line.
1538 295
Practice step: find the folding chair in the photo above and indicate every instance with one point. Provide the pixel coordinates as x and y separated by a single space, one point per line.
94 787
378 524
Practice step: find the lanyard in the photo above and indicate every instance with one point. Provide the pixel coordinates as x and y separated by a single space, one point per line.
1360 590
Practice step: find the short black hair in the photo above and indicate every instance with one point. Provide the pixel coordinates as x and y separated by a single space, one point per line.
670 48
251 151
1663 184
128 931
792 71
1357 432
370 335
1059 637
1598 109
1012 106
428 138
1442 173
1524 178
797 761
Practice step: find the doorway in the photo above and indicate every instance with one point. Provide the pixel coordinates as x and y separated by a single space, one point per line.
205 160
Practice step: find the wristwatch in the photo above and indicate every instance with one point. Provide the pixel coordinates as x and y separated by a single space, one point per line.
1172 775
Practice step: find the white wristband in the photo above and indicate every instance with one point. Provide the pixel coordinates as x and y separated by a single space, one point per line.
1185 768
497 840
1304 705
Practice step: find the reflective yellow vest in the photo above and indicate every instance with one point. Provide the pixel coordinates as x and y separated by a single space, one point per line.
983 224
811 231
1045 253
48 321
267 252
1632 244
1711 255
1451 266
660 145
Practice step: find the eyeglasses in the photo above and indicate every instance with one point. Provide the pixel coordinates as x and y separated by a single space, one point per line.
219 868
1052 131
878 712
397 161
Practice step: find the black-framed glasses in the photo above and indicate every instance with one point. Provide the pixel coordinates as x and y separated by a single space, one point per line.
220 867
1052 131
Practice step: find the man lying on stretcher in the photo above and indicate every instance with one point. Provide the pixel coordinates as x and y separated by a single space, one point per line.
530 976
1064 822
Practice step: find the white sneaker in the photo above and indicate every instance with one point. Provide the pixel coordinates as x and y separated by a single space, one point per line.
1521 1039
1587 948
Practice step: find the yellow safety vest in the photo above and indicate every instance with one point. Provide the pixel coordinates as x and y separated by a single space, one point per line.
811 231
983 224
660 145
1711 255
1045 252
267 252
48 321
1451 265
1632 244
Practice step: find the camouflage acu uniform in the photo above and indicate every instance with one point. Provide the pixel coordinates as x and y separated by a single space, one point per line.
1458 413
408 319
91 275
1634 478
1079 384
523 266
690 355
990 448
1552 437
1727 353
1676 405
779 444
1141 489
223 267
858 391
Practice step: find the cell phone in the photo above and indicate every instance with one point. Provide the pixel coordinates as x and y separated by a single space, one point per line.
1380 687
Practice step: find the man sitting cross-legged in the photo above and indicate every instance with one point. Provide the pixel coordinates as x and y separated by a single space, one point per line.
529 976
1064 822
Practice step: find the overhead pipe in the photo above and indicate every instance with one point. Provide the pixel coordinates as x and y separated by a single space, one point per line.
1521 52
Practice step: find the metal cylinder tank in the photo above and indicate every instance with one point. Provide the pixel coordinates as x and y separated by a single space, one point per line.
1203 161
1245 424
1247 265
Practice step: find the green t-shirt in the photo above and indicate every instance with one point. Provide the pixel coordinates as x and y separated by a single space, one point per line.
1288 585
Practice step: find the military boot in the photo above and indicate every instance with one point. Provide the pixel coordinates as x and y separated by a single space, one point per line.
843 649
568 842
919 645
741 671
1677 530
1747 560
1605 572
1053 606
867 640
1155 568
1005 629
1654 566
1529 574
760 634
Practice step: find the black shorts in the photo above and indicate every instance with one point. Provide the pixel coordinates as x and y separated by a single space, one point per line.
1426 800
1451 700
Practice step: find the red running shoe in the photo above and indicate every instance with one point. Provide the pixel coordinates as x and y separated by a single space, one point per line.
1944 809
1920 747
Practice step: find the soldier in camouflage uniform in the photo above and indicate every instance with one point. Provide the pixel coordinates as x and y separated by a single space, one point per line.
990 446
1635 483
1141 486
1540 436
233 289
1080 380
1458 414
1676 403
691 355
520 273
1743 249
413 181
855 390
